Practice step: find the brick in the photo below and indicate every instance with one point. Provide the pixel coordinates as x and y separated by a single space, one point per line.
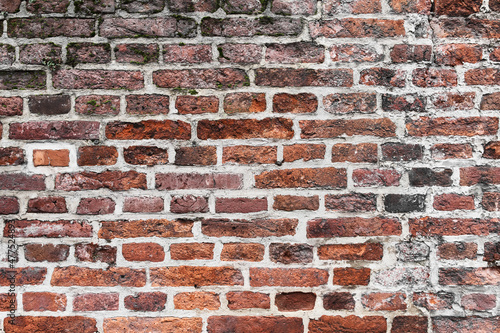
491 201
465 27
295 301
457 251
267 128
495 5
47 7
353 227
294 7
160 324
299 103
287 277
412 251
434 301
43 301
465 324
482 76
7 302
243 7
197 104
248 228
244 103
143 252
197 300
237 300
188 204
434 77
479 302
11 106
200 155
375 177
354 202
46 252
195 276
7 54
294 202
47 205
401 152
22 276
143 204
244 324
355 53
402 324
192 6
457 8
13 80
411 6
95 253
429 226
144 301
383 127
97 155
148 129
491 251
9 205
50 229
444 151
137 54
299 52
333 7
479 175
55 130
302 178
458 54
240 205
113 180
171 181
403 203
88 53
403 53
367 251
383 77
469 276
495 55
357 28
453 202
46 324
492 150
10 6
40 54
97 105
50 27
399 277
145 228
470 126
285 253
192 251
338 301
92 7
373 324
98 79
96 302
187 54
96 277
221 78
239 53
11 156
453 101
351 276
22 182
147 104
303 77
249 155
117 27
411 103
144 155
247 27
305 152
360 153
242 252
384 301
490 101
350 103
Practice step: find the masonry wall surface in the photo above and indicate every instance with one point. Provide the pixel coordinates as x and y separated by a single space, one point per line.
252 166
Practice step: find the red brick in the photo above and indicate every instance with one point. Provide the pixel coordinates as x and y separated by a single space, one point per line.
96 302
9 205
10 6
148 129
432 301
147 104
353 227
22 276
145 228
197 300
187 54
244 103
55 130
292 202
411 6
453 202
8 302
88 53
372 324
288 277
247 324
50 104
300 103
458 54
303 77
43 301
46 324
199 155
383 77
117 27
192 251
470 126
240 205
453 101
11 156
299 52
338 301
403 53
47 7
354 202
97 105
482 76
357 28
50 229
11 106
267 128
97 155
143 204
401 276
143 252
305 178
144 155
247 27
401 152
429 226
491 251
40 54
13 80
465 324
249 155
285 253
154 301
355 52
242 252
96 277
22 182
240 53
479 175
434 77
92 7
469 276
306 152
457 8
492 150
197 104
412 102
350 103
249 228
195 276
47 205
50 27
171 181
46 252
54 158
444 151
384 301
137 54
333 7
457 251
375 177
243 7
491 201
383 127
495 5
200 78
238 300
295 301
351 276
403 324
294 7
160 324
465 27
95 253
113 180
97 79
188 204
479 302
366 251
360 153
495 54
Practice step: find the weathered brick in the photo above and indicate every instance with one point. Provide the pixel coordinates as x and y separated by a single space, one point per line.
222 78
300 103
47 7
192 251
401 152
304 178
243 7
147 104
7 54
40 54
44 301
192 6
469 276
160 324
491 201
404 203
479 175
144 155
479 302
249 228
22 276
295 301
375 177
98 79
239 53
22 182
357 28
355 52
21 80
470 126
465 324
85 53
338 301
144 301
96 302
91 105
354 202
492 150
303 77
188 204
299 52
290 253
429 226
434 77
482 76
10 6
367 251
97 155
403 53
412 251
145 228
444 151
351 276
383 77
403 324
197 300
249 155
93 7
457 251
268 128
237 300
195 276
47 205
350 103
491 251
96 277
46 324
374 324
46 252
257 324
55 130
490 101
458 54
294 202
9 205
187 54
113 180
355 153
247 27
240 205
383 127
244 103
38 27
305 152
148 129
50 229
95 206
91 252
434 301
199 155
11 156
353 227
401 276
465 27
453 202
403 103
171 181
143 204
384 301
242 252
197 104
152 252
453 101
333 7
11 106
137 54
288 277
457 8
117 27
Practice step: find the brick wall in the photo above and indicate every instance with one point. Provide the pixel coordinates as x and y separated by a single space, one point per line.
250 165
